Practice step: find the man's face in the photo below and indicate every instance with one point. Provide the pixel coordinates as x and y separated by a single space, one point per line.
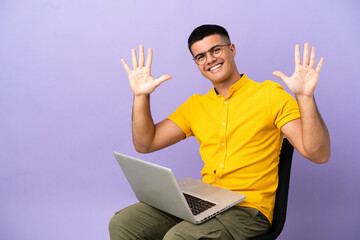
216 69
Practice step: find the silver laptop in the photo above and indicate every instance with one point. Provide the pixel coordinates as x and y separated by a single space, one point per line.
188 199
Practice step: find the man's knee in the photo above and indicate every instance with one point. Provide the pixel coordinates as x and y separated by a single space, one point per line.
116 227
140 221
122 224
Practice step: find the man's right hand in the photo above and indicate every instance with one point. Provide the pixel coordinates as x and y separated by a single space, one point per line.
141 81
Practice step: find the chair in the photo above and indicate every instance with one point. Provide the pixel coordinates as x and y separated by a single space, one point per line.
281 193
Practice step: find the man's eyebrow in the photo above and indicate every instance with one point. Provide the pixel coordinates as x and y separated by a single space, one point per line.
215 46
204 53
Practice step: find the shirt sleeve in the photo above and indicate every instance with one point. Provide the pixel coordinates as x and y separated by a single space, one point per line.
284 107
181 117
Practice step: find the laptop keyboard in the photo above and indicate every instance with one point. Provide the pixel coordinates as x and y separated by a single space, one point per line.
197 205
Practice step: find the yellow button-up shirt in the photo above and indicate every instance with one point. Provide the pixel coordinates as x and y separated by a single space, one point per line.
240 138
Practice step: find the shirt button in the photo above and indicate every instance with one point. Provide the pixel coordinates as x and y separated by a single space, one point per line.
217 179
222 144
225 102
221 165
223 124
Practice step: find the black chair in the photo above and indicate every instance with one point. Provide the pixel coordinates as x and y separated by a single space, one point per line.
281 193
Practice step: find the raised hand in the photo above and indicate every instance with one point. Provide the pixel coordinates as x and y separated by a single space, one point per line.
140 78
305 78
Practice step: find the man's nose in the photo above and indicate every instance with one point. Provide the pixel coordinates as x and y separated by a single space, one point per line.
210 58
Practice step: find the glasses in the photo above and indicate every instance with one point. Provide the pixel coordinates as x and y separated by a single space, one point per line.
215 51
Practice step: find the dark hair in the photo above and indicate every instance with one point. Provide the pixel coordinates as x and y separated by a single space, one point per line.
206 30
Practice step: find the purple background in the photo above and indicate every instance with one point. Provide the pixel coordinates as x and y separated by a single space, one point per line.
66 105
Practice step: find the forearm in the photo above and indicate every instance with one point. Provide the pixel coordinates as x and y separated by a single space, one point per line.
315 136
143 128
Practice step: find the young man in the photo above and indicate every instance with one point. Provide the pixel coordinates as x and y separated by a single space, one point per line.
239 124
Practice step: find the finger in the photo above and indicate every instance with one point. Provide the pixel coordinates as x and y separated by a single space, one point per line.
149 58
306 54
312 57
318 68
280 75
134 58
163 78
297 56
141 56
128 70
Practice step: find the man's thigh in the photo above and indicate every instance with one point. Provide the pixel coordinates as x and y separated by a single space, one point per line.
140 221
235 223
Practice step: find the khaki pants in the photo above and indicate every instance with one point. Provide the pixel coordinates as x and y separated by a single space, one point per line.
140 221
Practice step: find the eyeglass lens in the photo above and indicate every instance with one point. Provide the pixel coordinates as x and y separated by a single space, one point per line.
216 51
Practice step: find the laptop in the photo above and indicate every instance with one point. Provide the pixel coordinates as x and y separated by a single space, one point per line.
189 199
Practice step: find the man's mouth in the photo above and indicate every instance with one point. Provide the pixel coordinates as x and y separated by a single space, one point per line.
215 68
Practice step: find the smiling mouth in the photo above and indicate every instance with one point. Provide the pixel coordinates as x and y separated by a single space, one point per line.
215 68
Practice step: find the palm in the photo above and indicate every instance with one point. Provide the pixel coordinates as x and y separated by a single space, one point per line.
140 78
305 78
303 81
142 82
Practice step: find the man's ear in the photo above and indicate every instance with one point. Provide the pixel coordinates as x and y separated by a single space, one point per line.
233 49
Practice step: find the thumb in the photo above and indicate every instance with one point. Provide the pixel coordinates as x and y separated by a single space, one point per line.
281 75
163 78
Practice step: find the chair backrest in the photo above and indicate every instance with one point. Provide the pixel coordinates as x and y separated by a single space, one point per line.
281 193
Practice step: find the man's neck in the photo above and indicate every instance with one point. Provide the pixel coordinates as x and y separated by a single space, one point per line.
223 88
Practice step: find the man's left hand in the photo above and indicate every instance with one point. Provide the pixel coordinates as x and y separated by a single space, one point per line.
305 78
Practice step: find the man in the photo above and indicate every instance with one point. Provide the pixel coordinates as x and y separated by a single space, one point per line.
239 124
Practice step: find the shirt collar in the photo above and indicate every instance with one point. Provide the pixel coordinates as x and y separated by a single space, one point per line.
236 86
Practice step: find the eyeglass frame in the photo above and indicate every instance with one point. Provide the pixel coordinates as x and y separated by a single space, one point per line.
209 51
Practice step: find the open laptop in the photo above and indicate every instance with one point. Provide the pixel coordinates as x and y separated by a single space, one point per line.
156 186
